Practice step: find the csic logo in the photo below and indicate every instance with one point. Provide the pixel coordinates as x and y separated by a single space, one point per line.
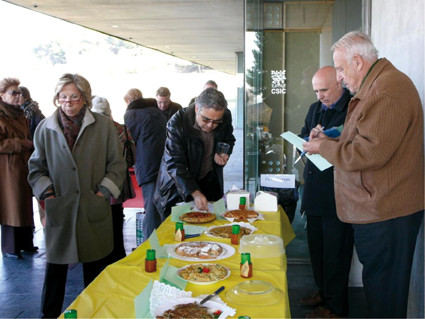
278 82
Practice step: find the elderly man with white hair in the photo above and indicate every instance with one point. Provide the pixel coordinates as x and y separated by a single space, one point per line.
379 170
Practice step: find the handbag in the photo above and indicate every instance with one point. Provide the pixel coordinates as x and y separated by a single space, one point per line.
129 151
128 189
129 156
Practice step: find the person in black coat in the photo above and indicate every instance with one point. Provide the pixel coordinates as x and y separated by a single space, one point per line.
190 168
330 241
147 123
163 99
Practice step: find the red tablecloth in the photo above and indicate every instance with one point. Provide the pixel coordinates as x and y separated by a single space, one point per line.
136 202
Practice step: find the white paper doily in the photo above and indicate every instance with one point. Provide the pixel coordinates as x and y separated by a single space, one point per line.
161 292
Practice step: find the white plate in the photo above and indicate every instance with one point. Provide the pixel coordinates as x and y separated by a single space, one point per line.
203 282
227 252
213 305
246 225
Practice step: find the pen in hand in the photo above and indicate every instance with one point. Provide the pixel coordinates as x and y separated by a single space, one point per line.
305 152
318 131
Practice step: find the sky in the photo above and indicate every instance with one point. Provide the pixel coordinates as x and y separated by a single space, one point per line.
110 75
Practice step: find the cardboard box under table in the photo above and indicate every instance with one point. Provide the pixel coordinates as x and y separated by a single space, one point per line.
112 294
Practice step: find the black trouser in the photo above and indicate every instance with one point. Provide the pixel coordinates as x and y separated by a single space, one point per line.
15 239
331 250
152 218
55 281
210 187
386 251
117 224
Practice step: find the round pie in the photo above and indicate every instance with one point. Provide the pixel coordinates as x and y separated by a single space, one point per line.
241 215
190 310
203 273
197 217
199 249
226 231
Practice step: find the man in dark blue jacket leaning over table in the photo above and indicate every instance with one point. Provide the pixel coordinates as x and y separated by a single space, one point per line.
330 241
190 168
147 127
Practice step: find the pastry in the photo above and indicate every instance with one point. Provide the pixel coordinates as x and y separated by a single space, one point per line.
197 217
189 310
241 215
199 249
226 231
203 272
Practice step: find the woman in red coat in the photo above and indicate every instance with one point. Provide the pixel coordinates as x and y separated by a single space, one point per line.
16 213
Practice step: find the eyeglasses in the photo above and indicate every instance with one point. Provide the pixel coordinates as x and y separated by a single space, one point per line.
72 99
207 120
15 93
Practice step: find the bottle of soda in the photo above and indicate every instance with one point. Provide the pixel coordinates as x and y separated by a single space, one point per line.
70 313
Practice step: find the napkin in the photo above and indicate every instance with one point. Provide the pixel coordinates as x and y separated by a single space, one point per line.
168 275
161 252
141 302
193 229
219 207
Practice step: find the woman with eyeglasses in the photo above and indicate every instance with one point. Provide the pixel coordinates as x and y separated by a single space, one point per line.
16 211
77 165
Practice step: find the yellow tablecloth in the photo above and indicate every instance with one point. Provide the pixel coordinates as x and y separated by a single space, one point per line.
112 293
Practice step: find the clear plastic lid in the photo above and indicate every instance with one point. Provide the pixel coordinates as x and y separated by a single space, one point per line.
262 245
254 293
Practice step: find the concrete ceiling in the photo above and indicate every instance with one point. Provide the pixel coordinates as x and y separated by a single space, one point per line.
207 32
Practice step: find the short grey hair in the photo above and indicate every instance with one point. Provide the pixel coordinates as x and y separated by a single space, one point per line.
211 98
101 105
79 81
357 42
163 91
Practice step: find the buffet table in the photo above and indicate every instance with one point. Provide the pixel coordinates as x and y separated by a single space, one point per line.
112 293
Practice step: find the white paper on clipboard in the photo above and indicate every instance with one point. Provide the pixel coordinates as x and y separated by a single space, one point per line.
317 159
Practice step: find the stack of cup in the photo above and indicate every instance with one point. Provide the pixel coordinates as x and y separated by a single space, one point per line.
139 224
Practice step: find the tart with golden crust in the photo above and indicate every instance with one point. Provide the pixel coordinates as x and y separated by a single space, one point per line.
225 231
197 217
189 310
199 249
241 215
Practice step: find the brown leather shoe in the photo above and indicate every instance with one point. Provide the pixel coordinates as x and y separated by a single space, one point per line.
313 300
321 312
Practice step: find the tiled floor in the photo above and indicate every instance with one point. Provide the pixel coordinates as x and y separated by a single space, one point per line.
21 281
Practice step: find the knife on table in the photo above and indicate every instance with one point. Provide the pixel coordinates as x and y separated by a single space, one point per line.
213 295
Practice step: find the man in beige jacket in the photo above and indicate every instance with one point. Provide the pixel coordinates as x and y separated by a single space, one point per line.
379 169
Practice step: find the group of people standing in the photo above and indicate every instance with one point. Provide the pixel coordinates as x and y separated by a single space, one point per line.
74 163
372 198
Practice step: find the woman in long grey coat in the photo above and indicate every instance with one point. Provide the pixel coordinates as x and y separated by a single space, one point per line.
76 166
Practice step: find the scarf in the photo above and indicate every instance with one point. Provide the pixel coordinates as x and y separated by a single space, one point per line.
11 111
71 125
